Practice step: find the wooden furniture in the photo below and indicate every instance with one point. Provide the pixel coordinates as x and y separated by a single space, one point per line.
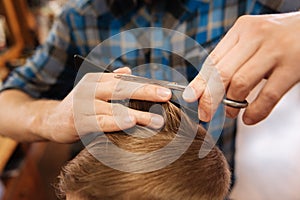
7 147
21 24
27 184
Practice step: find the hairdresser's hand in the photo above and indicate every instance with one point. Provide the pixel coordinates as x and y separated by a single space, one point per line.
88 109
256 48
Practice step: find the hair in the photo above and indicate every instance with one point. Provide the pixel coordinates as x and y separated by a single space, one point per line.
188 177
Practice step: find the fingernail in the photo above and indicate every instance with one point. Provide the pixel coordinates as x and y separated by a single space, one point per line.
163 92
123 69
117 70
189 94
157 121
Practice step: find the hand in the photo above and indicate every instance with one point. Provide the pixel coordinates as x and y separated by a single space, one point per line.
87 108
255 48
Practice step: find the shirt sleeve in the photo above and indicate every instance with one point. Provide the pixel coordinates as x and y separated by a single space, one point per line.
272 6
50 72
282 5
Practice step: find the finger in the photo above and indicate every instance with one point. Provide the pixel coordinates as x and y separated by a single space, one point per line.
102 108
226 68
225 45
123 70
91 77
121 113
195 89
235 58
268 96
127 90
105 123
211 98
213 93
204 108
247 77
108 123
98 77
148 119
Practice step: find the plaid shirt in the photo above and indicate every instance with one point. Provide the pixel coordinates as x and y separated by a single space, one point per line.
83 24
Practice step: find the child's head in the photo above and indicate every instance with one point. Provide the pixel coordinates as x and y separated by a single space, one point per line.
189 177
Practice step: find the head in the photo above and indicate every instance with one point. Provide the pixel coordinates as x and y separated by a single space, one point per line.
189 177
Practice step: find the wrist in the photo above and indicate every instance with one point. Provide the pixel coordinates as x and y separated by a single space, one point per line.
39 124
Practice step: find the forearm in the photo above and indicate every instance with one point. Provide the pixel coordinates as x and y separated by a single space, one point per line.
24 118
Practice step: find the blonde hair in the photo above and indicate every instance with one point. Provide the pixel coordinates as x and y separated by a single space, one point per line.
189 177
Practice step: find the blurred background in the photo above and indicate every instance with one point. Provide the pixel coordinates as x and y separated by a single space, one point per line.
268 153
267 160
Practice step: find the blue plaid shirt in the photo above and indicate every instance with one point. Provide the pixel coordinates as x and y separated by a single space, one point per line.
83 24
